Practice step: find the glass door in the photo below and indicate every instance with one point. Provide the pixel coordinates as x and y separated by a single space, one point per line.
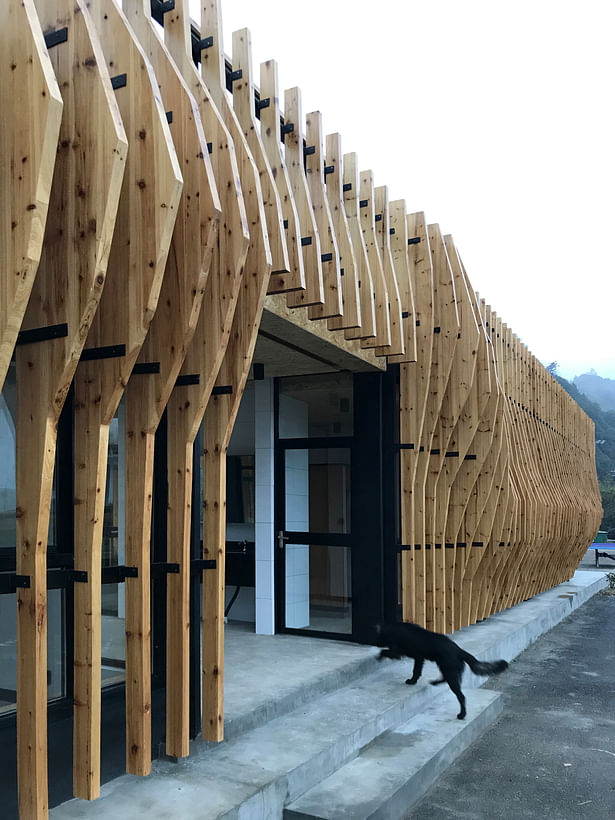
314 537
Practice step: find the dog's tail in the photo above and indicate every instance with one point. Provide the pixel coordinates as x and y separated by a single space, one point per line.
484 667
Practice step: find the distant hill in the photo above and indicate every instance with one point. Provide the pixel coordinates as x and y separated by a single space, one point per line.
605 446
604 421
597 388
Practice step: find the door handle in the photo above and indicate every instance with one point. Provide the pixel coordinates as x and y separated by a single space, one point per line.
281 539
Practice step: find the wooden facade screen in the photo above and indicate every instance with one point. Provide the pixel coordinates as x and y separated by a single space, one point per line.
162 239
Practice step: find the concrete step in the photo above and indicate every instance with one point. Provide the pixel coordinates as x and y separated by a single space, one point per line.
395 771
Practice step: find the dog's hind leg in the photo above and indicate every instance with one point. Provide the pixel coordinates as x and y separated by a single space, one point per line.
454 681
416 672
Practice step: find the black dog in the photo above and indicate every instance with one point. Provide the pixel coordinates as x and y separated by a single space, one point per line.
412 641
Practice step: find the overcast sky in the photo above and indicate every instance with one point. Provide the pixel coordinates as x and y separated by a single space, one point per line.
496 119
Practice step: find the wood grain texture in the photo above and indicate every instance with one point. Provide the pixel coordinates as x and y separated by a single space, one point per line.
349 272
193 243
271 138
330 256
80 222
150 196
203 359
383 238
314 293
32 106
385 333
367 296
222 409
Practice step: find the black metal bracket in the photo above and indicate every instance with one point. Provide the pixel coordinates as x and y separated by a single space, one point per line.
146 368
326 257
329 169
391 231
198 565
88 354
436 330
262 103
119 81
61 578
405 314
414 240
452 454
200 45
287 128
434 452
347 186
169 116
418 323
161 568
477 544
118 574
210 147
406 446
160 8
286 224
54 38
306 240
189 378
309 149
222 390
11 582
363 203
470 457
42 334
235 75
378 217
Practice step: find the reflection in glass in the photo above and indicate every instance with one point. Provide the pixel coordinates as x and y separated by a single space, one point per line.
317 490
320 405
113 610
318 588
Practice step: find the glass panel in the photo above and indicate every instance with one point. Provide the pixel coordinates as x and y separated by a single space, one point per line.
316 406
317 490
113 612
318 588
8 412
56 648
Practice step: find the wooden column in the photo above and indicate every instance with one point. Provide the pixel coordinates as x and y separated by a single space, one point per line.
222 410
150 196
193 243
199 371
66 292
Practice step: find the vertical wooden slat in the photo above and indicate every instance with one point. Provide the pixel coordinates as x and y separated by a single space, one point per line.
203 358
310 239
367 296
32 106
271 137
385 332
192 247
222 409
352 319
136 266
383 238
67 289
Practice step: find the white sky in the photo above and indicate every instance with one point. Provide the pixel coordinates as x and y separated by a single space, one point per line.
496 119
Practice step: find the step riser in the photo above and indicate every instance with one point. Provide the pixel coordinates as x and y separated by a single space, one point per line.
422 773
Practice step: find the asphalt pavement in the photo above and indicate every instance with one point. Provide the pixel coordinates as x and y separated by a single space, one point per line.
551 754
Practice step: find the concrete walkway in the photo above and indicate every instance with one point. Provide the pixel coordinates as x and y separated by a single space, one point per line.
551 753
299 710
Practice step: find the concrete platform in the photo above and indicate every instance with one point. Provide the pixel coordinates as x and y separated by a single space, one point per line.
299 709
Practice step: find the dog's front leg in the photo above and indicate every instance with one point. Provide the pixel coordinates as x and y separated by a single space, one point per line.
416 672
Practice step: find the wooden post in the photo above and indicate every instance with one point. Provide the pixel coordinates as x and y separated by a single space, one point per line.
136 267
66 292
194 240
